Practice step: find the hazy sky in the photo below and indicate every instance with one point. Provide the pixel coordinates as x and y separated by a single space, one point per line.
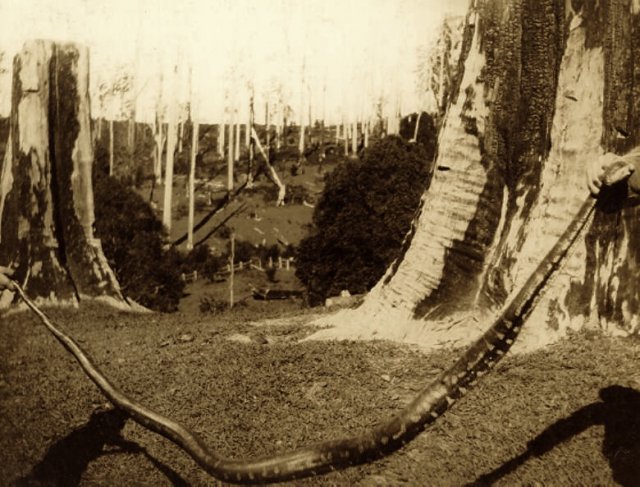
348 52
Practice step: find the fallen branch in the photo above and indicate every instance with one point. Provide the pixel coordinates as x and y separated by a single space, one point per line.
271 171
207 218
240 209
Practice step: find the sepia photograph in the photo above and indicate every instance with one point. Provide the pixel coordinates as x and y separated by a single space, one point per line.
319 243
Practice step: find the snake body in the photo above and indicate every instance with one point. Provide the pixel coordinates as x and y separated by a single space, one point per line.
430 403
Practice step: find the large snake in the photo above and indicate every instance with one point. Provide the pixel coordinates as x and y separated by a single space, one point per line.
430 403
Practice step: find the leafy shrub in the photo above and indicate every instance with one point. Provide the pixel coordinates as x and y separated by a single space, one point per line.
362 217
132 239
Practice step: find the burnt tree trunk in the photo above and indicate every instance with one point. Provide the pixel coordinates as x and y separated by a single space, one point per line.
46 195
543 88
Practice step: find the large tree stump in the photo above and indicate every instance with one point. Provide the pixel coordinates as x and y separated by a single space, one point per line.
46 195
543 88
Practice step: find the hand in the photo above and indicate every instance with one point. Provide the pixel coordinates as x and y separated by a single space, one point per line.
5 279
608 169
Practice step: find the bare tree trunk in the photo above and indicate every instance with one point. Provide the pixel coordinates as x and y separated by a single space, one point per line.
250 145
221 129
367 126
230 160
46 195
354 139
131 134
301 139
111 147
345 133
416 128
322 153
279 129
192 182
172 133
236 156
159 135
159 140
267 136
99 128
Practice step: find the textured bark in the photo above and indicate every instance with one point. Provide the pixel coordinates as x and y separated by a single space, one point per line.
544 87
46 196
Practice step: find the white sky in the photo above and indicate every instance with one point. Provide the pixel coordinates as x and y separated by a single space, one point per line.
353 51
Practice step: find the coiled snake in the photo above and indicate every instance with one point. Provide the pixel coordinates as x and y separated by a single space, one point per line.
430 403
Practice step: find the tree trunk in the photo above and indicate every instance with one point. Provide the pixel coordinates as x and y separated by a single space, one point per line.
345 134
267 136
279 130
192 182
221 129
46 195
354 139
367 128
131 136
322 153
159 140
111 147
172 133
541 91
230 160
250 145
301 139
236 152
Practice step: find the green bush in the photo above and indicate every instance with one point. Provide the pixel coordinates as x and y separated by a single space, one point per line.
361 218
133 239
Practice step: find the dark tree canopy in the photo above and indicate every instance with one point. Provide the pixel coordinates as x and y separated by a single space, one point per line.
362 218
132 240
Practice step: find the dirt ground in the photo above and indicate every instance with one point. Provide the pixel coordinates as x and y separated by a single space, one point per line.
569 415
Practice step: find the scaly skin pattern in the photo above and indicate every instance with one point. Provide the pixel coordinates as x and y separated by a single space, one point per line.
432 401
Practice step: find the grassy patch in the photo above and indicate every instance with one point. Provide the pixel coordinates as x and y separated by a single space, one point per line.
257 398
